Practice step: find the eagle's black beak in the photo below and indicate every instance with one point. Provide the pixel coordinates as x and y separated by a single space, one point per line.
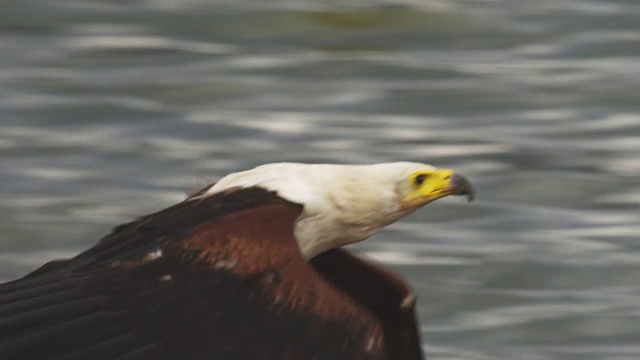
461 186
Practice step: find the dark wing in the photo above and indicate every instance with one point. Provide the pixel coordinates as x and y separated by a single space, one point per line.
219 277
383 292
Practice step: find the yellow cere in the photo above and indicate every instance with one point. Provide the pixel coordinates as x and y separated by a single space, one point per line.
432 181
428 185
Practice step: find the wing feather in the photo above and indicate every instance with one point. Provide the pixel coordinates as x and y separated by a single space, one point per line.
381 291
214 278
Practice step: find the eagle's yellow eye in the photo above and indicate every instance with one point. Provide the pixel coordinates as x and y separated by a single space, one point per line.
419 179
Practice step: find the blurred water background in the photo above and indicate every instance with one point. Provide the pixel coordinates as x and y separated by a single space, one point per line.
110 109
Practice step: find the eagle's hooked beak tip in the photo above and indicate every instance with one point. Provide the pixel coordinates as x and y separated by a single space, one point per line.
461 186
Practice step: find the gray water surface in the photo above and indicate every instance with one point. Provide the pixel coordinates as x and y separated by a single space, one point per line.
112 109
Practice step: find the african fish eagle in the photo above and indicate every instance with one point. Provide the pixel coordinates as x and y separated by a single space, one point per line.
250 267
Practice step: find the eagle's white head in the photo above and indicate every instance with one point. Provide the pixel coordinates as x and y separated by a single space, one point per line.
344 204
